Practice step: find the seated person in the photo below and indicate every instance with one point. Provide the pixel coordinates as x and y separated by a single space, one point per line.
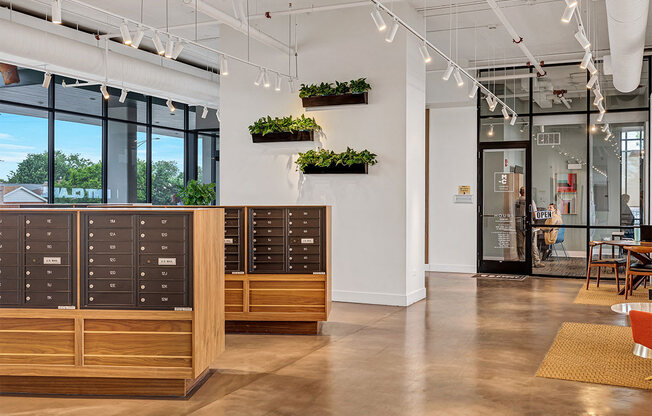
550 234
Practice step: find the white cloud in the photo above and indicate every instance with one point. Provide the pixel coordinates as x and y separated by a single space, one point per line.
10 147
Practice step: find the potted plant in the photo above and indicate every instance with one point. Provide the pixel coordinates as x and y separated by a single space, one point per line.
196 193
327 161
286 129
352 92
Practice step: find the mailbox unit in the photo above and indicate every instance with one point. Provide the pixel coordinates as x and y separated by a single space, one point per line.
110 301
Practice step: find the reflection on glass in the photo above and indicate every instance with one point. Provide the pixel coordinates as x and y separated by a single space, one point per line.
21 85
167 166
134 107
206 166
162 116
126 163
23 155
83 100
510 85
562 89
77 159
614 99
562 250
498 129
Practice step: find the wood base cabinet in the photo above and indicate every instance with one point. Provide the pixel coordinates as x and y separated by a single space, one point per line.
146 315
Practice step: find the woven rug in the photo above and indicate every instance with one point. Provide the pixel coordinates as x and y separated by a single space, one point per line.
518 277
600 354
607 295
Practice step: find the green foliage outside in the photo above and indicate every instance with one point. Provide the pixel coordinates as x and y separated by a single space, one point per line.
325 158
196 193
267 125
355 86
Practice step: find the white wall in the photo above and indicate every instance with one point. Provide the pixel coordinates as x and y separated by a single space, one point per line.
378 232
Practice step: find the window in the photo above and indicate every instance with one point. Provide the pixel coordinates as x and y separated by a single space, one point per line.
510 85
133 109
21 85
77 159
562 90
126 163
498 129
163 117
23 155
207 168
82 100
167 166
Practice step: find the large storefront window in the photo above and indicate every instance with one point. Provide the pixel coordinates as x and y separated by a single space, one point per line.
167 166
126 160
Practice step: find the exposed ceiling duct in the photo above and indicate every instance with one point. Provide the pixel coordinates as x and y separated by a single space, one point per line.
627 23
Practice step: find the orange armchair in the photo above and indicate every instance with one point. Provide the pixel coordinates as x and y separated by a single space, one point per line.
642 333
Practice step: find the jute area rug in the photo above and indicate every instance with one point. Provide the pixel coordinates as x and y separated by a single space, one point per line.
599 354
607 295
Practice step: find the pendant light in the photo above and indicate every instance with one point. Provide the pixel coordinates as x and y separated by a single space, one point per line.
582 39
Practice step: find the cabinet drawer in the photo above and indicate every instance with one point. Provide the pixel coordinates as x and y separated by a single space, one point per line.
8 220
283 297
304 222
163 221
304 268
267 212
162 235
296 213
231 249
125 260
268 267
47 285
109 221
8 285
109 299
232 240
9 246
306 249
49 235
232 222
48 221
38 259
268 240
47 272
304 258
162 260
232 267
47 298
232 257
268 222
304 241
110 272
260 249
9 298
158 247
48 247
168 273
9 273
8 234
232 212
231 232
111 235
107 247
162 286
304 231
268 258
160 299
110 285
263 231
9 260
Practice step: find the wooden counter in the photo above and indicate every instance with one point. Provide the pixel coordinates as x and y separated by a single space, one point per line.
141 347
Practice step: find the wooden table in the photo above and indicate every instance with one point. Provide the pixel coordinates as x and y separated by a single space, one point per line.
643 258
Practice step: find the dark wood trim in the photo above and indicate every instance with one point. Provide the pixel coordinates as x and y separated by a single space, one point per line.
273 327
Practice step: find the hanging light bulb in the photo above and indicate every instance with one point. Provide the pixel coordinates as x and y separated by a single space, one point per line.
123 95
204 113
124 32
170 105
424 53
140 34
104 91
474 90
458 77
514 117
169 47
259 78
448 72
266 82
586 59
582 39
378 19
592 81
224 66
490 133
505 113
277 85
160 49
56 12
47 77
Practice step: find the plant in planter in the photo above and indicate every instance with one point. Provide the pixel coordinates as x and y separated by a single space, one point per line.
327 161
196 193
352 92
286 129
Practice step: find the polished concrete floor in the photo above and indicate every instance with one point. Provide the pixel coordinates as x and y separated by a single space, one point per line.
471 348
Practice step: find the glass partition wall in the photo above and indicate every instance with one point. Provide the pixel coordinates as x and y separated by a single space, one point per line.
587 180
69 145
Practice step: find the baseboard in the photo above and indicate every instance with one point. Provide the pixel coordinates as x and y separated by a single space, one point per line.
451 268
373 298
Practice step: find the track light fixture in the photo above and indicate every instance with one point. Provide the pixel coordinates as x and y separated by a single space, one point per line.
505 113
571 3
448 72
598 95
277 84
591 68
378 19
56 12
458 77
266 82
600 117
140 34
224 66
514 117
582 39
123 95
489 100
542 128
47 77
605 127
259 78
392 32
105 92
568 12
291 86
124 32
170 105
494 103
592 81
169 47
586 59
178 47
474 91
601 107
424 53
204 113
490 133
160 49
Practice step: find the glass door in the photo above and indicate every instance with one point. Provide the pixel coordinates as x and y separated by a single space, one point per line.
504 220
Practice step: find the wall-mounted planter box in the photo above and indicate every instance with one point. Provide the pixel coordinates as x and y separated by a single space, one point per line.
344 99
297 136
358 168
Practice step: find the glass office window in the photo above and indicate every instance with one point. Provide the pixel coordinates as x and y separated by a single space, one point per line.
21 85
498 129
167 166
126 163
563 89
83 100
207 168
510 85
560 251
23 155
134 107
163 117
559 165
618 180
78 159
617 100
